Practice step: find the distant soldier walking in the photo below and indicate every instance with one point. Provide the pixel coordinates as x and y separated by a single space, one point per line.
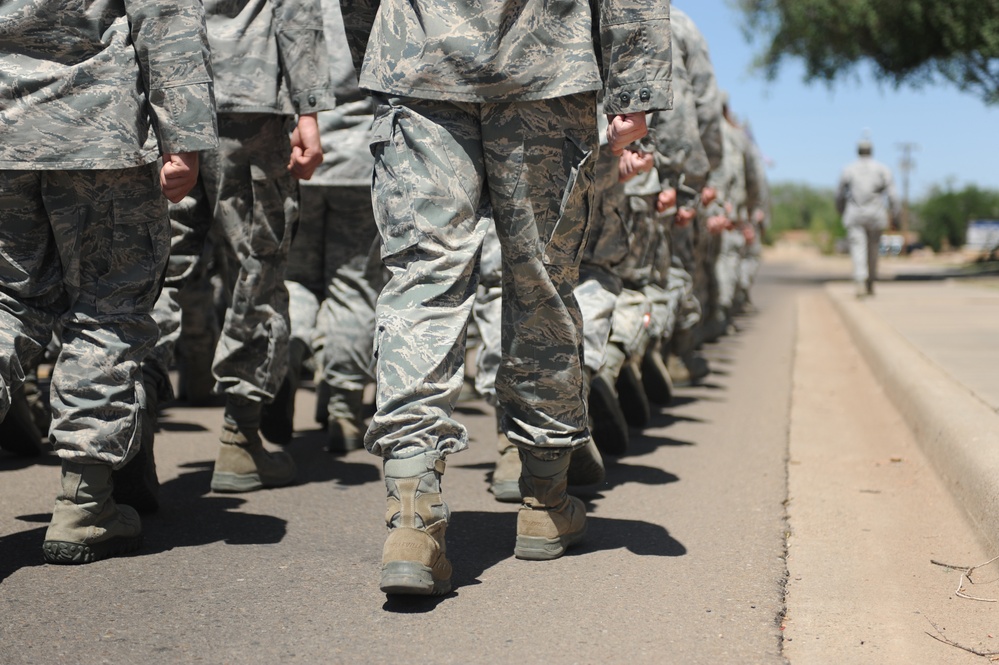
865 198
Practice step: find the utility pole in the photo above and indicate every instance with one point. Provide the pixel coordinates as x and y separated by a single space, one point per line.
906 164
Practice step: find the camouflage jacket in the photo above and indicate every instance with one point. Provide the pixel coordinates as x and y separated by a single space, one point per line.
866 194
687 140
269 56
737 179
346 130
104 84
465 50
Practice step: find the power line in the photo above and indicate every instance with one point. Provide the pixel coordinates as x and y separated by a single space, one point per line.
906 164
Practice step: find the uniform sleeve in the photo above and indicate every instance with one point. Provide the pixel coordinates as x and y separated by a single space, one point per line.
358 19
304 56
842 191
635 55
707 96
172 47
754 188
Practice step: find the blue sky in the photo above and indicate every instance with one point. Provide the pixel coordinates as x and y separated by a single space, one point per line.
809 131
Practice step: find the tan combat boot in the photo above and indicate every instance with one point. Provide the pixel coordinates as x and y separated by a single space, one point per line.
86 524
505 485
344 427
244 465
656 378
586 466
414 559
549 520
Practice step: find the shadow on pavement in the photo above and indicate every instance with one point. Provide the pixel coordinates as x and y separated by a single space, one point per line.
22 549
316 465
477 540
10 462
190 516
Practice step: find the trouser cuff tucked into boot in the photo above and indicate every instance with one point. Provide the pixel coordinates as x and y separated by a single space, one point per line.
345 427
549 520
505 484
86 524
414 559
244 465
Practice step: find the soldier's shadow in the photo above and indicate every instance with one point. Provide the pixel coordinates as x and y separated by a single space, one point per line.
24 548
317 465
478 540
481 539
190 516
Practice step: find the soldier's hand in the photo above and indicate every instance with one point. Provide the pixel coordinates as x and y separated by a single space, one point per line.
306 147
666 200
708 195
178 175
632 163
749 233
684 216
623 129
717 224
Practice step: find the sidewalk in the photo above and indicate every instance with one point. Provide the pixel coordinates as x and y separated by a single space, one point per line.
934 346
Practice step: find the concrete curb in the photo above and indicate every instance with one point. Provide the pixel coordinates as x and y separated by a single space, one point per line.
957 431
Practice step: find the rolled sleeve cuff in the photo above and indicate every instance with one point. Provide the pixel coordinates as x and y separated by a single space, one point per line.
184 118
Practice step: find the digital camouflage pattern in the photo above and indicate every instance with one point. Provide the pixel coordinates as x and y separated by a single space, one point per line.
269 56
90 93
82 251
519 50
681 159
246 173
345 130
537 158
102 84
488 311
345 327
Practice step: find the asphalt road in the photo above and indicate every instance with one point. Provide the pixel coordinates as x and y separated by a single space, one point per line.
684 562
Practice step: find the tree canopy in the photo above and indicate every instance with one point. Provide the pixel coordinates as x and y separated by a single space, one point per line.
942 218
906 41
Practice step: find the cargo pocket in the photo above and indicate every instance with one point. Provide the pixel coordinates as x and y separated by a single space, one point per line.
568 238
392 183
274 211
137 255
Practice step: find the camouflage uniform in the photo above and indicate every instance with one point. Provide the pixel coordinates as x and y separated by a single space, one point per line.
335 252
269 60
759 217
736 181
686 144
84 236
535 154
866 197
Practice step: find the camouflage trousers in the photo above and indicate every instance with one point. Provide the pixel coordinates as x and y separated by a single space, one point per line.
336 255
303 308
750 265
864 246
487 313
433 162
727 268
83 251
246 194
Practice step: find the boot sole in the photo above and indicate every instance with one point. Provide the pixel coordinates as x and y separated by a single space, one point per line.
507 491
64 553
234 483
411 579
536 548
